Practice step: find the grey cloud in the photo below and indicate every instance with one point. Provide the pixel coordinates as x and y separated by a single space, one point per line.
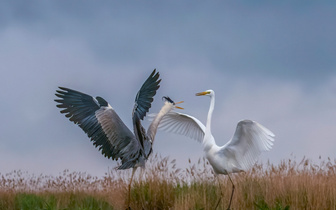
281 40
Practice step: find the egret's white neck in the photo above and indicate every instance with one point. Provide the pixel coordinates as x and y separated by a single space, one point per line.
212 106
209 141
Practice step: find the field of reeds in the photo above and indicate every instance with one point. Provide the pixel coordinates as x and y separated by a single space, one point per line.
290 185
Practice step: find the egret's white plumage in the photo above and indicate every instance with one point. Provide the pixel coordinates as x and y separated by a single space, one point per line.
238 154
182 124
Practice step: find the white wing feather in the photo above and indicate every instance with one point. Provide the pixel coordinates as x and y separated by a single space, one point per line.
247 143
182 124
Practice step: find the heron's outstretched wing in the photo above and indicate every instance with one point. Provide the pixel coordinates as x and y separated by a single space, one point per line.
145 95
247 143
182 124
142 103
102 125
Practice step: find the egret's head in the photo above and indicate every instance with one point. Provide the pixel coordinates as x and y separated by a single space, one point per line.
168 100
206 93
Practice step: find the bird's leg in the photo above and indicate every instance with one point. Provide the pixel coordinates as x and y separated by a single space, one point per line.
129 188
221 193
233 187
142 170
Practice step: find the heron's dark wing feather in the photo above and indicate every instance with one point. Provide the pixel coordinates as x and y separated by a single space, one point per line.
145 95
122 139
102 125
142 103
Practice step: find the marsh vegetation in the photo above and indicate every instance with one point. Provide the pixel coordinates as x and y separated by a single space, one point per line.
289 185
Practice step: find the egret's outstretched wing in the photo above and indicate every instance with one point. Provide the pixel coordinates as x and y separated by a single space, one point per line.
101 123
182 124
247 143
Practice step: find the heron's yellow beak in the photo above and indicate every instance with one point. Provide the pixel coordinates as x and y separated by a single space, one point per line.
202 93
180 102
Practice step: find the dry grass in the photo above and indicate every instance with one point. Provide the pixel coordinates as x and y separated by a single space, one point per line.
297 185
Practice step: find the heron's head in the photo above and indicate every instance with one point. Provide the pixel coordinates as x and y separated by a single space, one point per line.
206 93
169 101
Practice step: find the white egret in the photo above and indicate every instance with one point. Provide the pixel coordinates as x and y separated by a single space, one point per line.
237 155
107 131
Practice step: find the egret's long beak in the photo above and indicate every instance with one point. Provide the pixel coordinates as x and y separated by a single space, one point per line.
180 102
202 93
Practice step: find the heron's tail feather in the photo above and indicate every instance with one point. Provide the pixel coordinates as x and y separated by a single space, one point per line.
127 165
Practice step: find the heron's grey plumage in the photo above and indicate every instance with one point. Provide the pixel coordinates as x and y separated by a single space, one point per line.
145 95
105 128
142 103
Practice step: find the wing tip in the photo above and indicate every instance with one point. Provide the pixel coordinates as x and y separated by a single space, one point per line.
266 130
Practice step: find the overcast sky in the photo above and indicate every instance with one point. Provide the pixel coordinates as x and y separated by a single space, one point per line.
272 62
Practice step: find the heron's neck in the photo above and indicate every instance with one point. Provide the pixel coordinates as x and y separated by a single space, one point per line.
164 110
155 123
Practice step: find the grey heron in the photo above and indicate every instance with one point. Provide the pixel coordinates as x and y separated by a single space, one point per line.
237 155
97 118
